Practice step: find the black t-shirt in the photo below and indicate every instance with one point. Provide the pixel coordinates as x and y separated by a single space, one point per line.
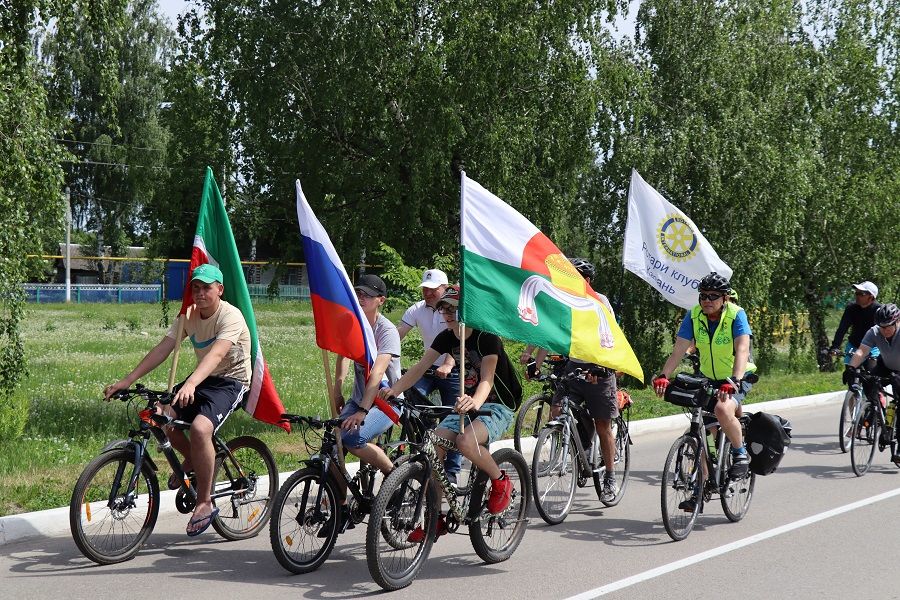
859 320
507 389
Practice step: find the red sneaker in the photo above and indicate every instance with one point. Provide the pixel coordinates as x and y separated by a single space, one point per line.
418 534
501 494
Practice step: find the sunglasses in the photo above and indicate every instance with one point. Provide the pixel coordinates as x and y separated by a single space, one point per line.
362 294
710 297
861 293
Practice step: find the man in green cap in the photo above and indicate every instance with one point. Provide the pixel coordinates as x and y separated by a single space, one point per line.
221 341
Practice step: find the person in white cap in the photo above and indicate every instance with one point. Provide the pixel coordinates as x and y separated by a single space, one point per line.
858 317
424 315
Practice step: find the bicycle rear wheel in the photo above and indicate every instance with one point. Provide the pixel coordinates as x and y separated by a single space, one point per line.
682 487
622 463
735 494
252 481
864 438
496 537
109 521
553 475
533 415
852 401
407 500
303 532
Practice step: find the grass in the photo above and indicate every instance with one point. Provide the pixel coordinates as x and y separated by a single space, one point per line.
74 351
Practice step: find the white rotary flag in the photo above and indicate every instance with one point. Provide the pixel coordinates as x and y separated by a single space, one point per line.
664 247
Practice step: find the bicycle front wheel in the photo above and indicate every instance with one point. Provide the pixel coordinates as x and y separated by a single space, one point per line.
864 437
735 494
303 530
682 487
621 462
245 488
533 415
406 502
496 537
852 401
553 475
109 520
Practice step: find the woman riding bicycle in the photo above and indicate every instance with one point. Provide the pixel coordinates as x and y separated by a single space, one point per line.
491 384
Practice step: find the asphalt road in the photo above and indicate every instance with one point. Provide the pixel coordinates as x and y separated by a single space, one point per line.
813 530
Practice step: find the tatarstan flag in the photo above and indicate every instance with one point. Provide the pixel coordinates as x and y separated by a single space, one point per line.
214 243
517 284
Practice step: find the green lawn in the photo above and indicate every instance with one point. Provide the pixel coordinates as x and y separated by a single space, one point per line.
74 351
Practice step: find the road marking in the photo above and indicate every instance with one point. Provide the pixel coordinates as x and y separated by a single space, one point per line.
690 560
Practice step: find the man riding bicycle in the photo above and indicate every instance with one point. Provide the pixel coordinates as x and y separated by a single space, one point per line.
883 336
722 335
859 318
221 341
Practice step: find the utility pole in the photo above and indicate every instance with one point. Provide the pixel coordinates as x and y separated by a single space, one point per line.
68 247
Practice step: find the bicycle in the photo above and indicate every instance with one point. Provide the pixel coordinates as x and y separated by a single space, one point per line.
534 413
115 503
870 427
561 461
408 499
850 406
698 463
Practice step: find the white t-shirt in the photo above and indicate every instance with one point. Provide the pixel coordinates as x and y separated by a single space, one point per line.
429 321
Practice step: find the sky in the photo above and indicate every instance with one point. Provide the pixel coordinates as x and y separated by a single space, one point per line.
171 9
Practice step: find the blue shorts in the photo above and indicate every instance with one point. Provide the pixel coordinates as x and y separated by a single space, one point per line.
496 424
375 423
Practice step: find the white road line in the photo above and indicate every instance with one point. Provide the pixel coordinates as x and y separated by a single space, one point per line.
686 562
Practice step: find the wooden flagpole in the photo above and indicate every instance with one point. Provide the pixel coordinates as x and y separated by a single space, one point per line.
329 386
178 333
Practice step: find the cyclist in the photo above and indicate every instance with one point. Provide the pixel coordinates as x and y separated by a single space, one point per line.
362 421
598 392
858 317
221 342
491 384
883 335
424 315
722 335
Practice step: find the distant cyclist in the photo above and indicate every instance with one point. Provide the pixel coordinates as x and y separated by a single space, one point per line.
858 317
882 336
722 333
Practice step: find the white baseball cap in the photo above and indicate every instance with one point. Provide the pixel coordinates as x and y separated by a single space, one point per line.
433 278
867 286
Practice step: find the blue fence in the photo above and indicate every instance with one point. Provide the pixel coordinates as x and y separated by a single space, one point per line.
44 293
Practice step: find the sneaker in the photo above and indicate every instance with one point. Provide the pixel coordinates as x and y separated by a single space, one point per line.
418 534
740 464
345 524
896 459
689 505
609 487
501 494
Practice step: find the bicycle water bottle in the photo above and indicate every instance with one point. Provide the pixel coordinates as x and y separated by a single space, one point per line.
889 420
711 446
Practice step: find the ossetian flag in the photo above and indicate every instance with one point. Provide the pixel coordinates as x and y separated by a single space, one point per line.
214 243
516 283
341 326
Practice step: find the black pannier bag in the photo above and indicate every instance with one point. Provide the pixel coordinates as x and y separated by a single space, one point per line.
767 438
686 391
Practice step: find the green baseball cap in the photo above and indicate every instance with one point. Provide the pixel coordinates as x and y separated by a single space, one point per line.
207 273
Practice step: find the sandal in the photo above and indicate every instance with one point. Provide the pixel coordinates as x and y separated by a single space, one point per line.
208 518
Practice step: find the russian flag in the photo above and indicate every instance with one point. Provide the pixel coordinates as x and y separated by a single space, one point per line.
341 326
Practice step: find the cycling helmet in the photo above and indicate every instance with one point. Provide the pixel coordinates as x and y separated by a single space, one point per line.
715 283
887 314
584 267
450 296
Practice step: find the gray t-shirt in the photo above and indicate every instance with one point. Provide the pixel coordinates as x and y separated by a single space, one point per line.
387 341
889 348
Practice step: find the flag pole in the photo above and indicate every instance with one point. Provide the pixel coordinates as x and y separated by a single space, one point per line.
462 373
329 386
178 333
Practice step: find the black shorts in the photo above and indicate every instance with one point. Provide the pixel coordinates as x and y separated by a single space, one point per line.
215 398
599 398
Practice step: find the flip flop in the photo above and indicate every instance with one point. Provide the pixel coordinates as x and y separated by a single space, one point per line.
208 518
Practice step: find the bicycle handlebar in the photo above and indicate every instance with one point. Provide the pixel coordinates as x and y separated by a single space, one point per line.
314 422
143 392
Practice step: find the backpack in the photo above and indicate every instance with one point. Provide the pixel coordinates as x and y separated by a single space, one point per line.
766 439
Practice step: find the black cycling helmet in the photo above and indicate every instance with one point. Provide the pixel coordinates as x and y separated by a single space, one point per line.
715 283
887 314
584 267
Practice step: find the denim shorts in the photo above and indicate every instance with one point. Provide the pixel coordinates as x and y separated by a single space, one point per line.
375 423
496 424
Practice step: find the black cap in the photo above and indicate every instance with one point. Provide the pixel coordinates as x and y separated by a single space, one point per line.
373 285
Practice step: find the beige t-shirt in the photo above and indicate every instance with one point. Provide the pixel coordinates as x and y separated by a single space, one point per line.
227 323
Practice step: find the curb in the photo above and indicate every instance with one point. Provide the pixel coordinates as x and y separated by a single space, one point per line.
55 521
